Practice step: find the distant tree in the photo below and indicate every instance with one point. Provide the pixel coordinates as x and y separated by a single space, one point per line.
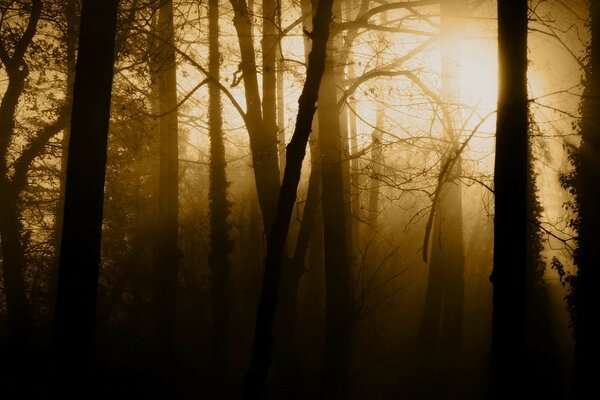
262 133
440 335
509 276
82 225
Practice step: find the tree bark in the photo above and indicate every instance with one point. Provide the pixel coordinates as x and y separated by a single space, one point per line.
254 387
337 265
509 275
86 168
221 243
167 251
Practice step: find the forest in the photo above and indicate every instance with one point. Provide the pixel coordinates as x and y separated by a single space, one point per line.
299 199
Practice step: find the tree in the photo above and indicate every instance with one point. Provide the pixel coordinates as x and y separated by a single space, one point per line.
338 297
254 386
167 229
16 48
509 276
440 335
82 223
221 243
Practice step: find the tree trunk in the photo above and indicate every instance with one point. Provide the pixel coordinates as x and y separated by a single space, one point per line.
587 257
269 60
263 140
71 41
84 196
337 267
256 378
18 308
509 275
440 336
221 243
376 170
167 251
280 96
13 271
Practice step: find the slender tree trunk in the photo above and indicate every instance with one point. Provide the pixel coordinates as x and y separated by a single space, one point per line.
440 337
167 251
86 168
509 275
280 95
256 378
269 63
587 331
263 139
376 170
221 243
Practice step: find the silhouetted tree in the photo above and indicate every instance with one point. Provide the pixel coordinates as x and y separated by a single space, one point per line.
219 208
167 251
509 275
82 224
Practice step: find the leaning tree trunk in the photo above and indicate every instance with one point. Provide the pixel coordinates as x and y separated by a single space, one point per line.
82 225
221 243
166 263
509 275
587 258
254 387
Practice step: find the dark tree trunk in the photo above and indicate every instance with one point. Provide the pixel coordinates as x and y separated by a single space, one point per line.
509 275
82 226
13 272
287 323
167 251
12 248
337 267
221 244
70 12
256 378
587 257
